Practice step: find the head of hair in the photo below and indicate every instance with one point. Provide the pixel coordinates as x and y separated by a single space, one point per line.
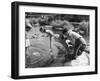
67 25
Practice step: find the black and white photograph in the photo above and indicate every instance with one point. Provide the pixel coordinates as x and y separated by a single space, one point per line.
51 40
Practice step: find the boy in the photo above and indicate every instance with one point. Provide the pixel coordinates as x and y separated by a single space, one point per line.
77 40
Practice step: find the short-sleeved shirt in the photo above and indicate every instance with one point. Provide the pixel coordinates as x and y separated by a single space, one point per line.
73 36
27 43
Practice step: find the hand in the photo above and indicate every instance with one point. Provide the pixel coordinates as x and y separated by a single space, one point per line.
56 35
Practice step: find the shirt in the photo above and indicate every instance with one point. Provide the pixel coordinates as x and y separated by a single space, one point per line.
27 43
73 36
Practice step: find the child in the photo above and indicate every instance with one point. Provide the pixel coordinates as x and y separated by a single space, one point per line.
77 40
